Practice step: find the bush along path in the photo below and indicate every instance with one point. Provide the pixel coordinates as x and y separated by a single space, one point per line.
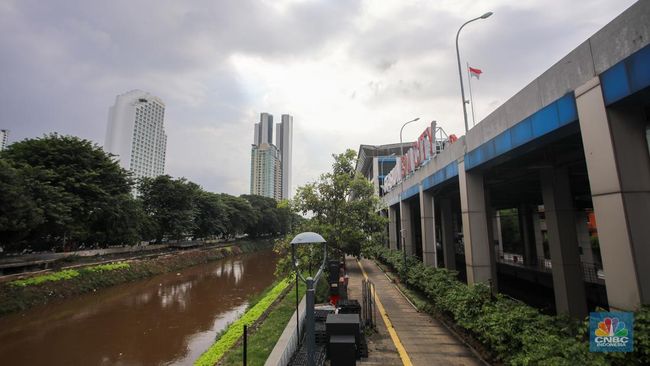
511 331
22 294
234 332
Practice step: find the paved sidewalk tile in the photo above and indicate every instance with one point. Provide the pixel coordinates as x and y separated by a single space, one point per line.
426 340
381 350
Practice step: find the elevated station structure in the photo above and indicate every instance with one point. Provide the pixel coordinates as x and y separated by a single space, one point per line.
567 160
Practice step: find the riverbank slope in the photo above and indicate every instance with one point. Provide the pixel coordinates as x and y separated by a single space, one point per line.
42 289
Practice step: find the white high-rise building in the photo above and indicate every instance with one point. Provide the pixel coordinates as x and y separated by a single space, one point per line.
271 164
284 141
136 133
266 171
264 130
4 136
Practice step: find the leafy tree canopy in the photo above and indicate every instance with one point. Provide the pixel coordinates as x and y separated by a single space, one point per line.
70 181
342 208
171 204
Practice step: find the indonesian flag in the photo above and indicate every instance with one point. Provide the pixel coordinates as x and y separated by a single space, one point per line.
475 72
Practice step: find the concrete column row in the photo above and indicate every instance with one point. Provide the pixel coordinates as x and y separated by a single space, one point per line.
397 235
618 163
480 256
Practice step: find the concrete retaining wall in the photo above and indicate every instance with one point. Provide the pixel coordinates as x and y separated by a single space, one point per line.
286 345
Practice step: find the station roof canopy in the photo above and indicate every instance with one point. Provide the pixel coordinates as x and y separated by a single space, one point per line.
367 152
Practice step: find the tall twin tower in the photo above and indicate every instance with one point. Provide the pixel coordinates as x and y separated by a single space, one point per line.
271 164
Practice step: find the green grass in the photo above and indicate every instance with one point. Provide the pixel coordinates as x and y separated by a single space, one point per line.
50 277
67 274
236 329
262 341
107 267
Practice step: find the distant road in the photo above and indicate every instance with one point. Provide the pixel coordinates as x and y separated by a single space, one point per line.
34 259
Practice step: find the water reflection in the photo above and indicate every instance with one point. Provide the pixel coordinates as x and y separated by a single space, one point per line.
168 319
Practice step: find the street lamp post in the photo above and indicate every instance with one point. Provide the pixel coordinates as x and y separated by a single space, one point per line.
308 238
402 229
460 73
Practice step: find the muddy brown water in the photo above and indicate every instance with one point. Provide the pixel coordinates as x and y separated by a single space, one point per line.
164 320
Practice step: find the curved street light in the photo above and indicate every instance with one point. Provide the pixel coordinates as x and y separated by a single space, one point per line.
460 73
309 238
402 229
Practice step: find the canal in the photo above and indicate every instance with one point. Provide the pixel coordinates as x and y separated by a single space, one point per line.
164 320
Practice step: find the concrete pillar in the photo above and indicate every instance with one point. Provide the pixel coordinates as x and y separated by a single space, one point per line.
384 214
375 175
618 164
526 228
428 223
447 232
406 227
490 213
568 283
499 233
479 254
539 239
392 228
584 239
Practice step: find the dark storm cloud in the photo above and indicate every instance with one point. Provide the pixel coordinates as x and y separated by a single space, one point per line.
63 63
513 47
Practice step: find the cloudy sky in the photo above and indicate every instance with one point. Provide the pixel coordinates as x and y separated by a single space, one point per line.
350 72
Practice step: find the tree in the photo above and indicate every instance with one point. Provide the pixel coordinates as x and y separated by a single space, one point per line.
285 216
171 204
123 222
239 213
211 215
72 181
268 221
19 214
342 205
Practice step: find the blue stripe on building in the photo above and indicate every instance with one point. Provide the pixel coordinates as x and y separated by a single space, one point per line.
548 119
626 77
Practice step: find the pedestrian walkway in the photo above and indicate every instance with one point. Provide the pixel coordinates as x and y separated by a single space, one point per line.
418 339
381 349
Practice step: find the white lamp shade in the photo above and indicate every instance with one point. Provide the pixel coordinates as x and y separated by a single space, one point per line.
307 238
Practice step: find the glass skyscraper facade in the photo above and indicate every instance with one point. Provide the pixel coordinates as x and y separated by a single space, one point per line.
271 163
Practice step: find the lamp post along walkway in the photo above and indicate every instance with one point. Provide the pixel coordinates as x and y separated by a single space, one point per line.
460 72
309 238
403 229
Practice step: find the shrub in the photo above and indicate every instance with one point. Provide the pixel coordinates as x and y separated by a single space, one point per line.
515 333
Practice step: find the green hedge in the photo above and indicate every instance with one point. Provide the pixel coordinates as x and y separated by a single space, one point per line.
235 330
515 333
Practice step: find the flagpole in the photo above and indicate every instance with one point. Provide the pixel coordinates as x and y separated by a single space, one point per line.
469 79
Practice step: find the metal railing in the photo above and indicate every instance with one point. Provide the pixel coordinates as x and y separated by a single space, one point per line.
591 272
